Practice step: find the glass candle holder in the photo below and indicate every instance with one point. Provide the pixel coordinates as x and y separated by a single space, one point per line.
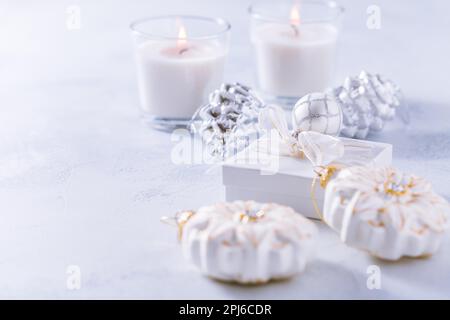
180 60
294 46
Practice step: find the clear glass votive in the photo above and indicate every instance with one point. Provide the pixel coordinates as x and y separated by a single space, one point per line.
180 60
294 44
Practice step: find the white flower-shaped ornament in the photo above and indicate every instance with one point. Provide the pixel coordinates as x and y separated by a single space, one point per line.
386 212
246 241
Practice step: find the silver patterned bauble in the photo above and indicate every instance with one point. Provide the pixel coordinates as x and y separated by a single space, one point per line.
317 112
228 119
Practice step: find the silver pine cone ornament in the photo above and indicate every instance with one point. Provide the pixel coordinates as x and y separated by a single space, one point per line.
367 102
228 120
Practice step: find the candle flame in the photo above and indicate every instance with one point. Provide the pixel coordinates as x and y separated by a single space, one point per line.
295 15
182 39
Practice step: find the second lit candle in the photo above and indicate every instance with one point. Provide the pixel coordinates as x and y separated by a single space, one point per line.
294 48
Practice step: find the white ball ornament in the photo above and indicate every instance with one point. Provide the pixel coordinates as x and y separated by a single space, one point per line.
248 242
385 212
317 112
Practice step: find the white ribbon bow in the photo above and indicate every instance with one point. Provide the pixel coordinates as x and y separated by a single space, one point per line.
320 149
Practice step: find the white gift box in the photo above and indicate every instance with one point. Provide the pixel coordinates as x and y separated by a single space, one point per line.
255 174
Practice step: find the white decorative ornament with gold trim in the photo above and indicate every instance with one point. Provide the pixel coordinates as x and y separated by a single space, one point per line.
385 212
247 242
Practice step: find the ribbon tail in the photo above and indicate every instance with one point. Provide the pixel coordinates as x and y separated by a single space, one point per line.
320 149
272 120
273 117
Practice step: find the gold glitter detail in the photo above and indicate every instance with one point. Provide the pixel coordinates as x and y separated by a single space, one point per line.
378 224
397 190
244 217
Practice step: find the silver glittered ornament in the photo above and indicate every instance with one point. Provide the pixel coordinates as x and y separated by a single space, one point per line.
317 112
228 119
364 104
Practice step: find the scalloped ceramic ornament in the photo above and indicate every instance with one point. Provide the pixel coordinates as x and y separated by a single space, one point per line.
386 212
248 242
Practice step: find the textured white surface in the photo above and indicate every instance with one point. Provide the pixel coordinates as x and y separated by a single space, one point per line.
82 182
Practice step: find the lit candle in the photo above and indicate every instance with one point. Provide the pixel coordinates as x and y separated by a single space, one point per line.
293 57
175 75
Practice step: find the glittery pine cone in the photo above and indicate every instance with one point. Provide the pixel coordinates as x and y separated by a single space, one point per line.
228 119
367 102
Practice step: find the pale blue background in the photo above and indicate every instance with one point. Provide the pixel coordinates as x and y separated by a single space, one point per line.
83 182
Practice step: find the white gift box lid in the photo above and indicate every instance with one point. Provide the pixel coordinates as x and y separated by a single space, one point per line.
261 176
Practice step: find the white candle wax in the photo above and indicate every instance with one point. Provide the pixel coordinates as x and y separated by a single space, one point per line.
294 60
174 81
